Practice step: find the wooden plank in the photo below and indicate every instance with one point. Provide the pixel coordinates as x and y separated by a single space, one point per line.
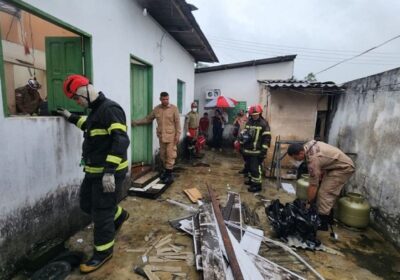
145 179
149 273
233 262
194 194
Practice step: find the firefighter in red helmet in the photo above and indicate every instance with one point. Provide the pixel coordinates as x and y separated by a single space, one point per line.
104 156
255 140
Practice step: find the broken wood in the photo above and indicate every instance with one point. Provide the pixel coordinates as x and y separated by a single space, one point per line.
237 273
194 194
149 273
175 269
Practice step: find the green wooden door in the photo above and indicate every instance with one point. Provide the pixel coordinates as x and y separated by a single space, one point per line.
63 57
141 106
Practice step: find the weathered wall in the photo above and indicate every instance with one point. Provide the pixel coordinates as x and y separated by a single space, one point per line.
39 167
367 123
292 116
240 84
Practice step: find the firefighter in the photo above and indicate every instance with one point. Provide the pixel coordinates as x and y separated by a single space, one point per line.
254 141
191 127
168 133
27 98
105 164
329 170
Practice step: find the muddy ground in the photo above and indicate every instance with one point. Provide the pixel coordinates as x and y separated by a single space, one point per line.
363 254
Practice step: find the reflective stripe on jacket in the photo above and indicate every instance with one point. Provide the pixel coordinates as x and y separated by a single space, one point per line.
105 137
260 137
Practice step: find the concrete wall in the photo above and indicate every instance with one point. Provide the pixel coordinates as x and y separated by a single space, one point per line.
292 116
240 83
367 123
39 167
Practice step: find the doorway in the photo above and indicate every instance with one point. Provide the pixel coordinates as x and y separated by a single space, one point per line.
141 106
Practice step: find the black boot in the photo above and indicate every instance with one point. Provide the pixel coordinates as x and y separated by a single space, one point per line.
255 188
243 171
96 261
168 179
248 181
162 175
324 222
121 219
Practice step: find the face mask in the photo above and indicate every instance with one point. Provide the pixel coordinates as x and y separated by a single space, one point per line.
194 110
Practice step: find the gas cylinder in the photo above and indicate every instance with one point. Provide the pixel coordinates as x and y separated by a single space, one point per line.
353 210
301 187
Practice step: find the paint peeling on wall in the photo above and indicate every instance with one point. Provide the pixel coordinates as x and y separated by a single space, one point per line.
366 124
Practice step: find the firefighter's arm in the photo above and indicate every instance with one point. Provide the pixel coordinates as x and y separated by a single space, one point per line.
266 138
146 120
314 171
116 128
178 129
78 120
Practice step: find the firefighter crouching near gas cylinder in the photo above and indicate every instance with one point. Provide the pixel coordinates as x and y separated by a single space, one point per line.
168 133
105 164
254 142
329 170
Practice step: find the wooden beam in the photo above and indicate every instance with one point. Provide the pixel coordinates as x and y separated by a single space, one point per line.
237 273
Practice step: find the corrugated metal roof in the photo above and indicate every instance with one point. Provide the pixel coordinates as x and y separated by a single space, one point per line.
176 17
298 84
246 63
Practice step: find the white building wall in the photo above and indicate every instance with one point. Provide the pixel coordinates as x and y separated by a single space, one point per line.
41 155
239 83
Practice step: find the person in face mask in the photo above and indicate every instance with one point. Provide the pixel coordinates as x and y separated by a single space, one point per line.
191 127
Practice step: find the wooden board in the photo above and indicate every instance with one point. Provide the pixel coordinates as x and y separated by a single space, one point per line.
194 194
145 179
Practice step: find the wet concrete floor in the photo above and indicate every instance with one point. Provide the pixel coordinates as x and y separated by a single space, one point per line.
363 254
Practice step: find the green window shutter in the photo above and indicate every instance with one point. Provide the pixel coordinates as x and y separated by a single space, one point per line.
63 57
232 112
180 95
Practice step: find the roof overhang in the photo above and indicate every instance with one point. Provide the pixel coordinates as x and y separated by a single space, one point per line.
176 17
304 87
249 63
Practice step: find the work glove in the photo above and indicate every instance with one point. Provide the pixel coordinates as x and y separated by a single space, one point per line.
64 112
263 153
108 183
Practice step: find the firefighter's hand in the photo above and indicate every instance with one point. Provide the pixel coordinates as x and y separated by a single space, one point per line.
263 153
108 183
64 112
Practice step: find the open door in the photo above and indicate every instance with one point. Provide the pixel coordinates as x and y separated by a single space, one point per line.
63 57
141 106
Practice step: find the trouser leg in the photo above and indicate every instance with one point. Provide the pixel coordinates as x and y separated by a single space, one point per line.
85 196
330 189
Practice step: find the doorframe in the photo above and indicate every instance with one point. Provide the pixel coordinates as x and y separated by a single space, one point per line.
86 41
149 67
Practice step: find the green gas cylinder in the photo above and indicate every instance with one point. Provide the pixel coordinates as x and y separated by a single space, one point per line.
302 186
353 210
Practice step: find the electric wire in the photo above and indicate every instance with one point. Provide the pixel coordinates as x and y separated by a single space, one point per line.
358 55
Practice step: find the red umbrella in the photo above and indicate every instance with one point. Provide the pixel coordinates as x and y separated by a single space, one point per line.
221 102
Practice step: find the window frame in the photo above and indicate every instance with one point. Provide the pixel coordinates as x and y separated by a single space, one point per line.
86 38
180 101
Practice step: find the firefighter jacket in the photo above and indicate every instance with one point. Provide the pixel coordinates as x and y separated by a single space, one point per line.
258 139
105 142
27 100
168 122
191 120
322 158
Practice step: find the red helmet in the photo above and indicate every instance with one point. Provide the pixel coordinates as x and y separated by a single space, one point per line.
255 109
193 105
72 83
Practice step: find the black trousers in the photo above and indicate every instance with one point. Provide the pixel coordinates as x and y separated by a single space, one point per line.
102 208
253 165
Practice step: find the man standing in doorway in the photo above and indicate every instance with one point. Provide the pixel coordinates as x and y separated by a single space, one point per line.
329 170
104 157
168 133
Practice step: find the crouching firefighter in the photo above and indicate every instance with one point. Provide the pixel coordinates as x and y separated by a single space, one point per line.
105 164
329 170
254 142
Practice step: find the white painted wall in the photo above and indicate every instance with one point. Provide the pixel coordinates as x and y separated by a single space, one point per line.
239 83
41 154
